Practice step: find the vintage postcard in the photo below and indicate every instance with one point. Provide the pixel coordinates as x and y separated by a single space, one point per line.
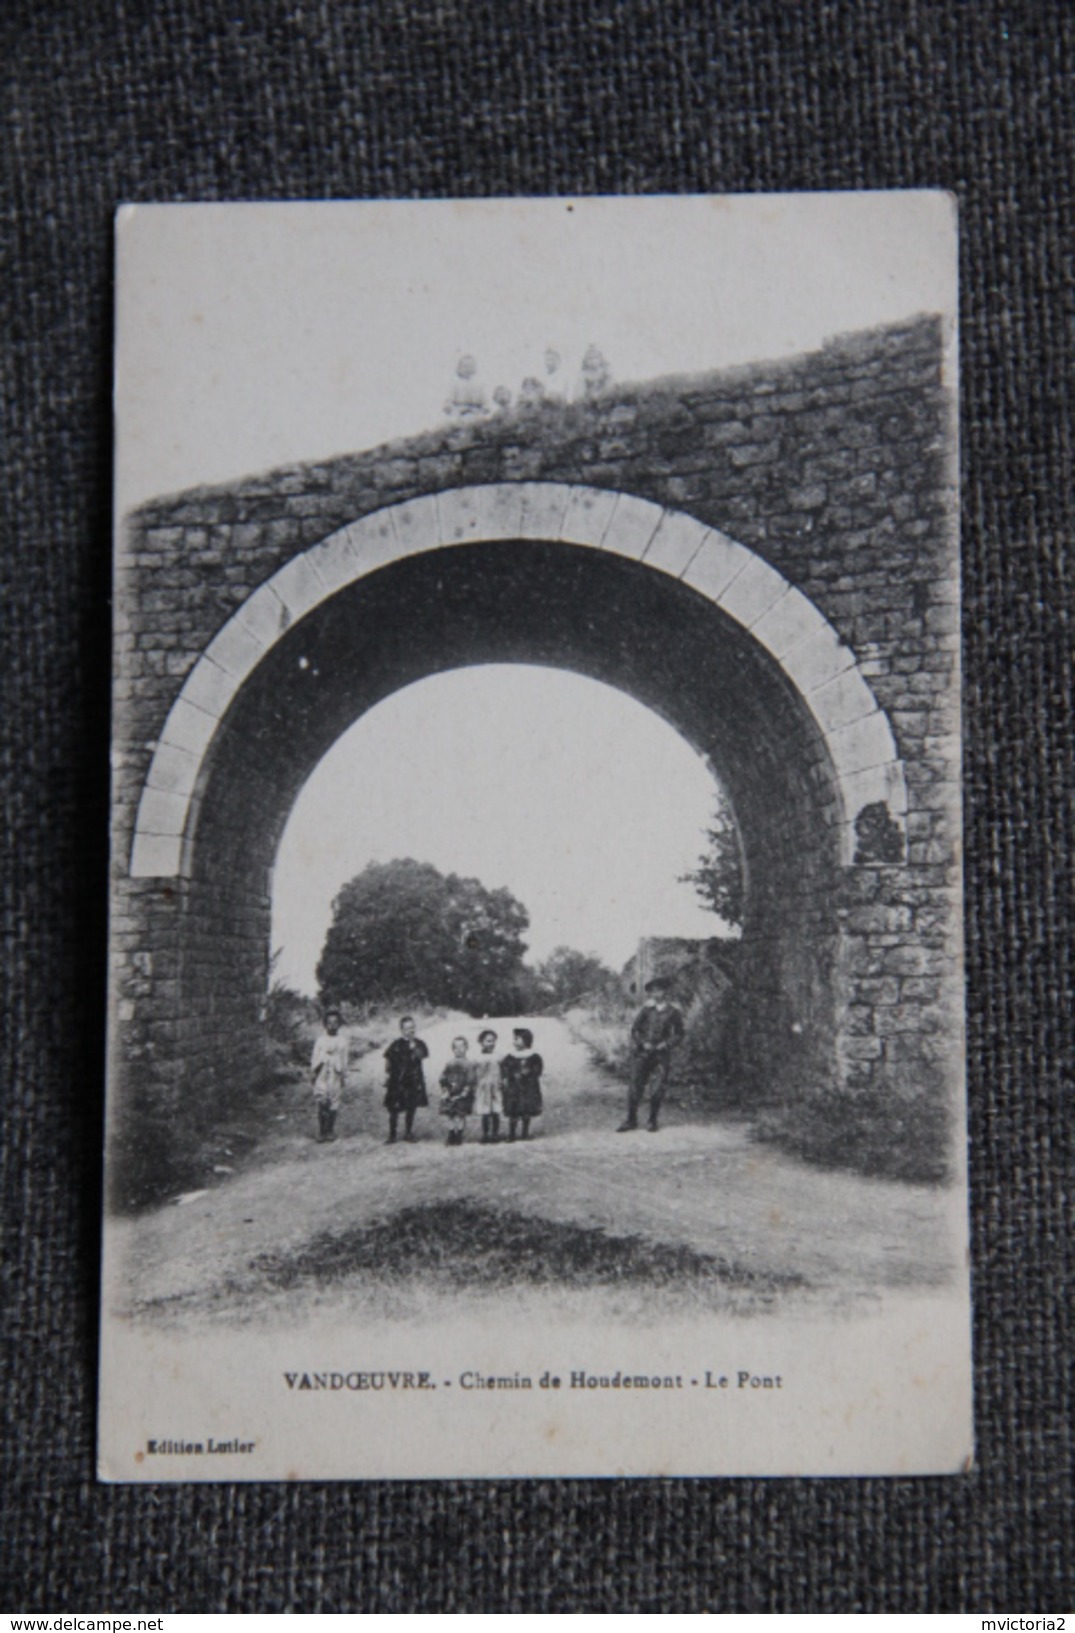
535 1030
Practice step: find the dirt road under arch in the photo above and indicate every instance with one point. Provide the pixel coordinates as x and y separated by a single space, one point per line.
630 1226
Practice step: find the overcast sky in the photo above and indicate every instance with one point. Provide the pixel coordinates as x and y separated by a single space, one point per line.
578 799
252 335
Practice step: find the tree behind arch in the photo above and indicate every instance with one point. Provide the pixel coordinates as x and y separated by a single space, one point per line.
568 974
718 875
404 928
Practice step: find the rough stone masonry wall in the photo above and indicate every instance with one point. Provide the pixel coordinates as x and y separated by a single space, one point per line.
835 467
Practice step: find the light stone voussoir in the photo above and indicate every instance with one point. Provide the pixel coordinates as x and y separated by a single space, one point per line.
500 510
334 560
842 700
632 526
188 728
173 770
752 592
416 525
264 615
717 564
237 649
544 507
589 512
821 657
863 744
209 687
676 542
156 856
459 516
298 587
790 620
162 813
373 540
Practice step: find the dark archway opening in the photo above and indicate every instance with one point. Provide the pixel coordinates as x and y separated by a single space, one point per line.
545 604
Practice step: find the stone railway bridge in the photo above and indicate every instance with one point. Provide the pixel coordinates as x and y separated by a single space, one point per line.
765 557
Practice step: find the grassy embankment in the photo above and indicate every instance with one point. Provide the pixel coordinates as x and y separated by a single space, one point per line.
156 1157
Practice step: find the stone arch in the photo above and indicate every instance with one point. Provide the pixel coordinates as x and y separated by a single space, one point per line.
817 665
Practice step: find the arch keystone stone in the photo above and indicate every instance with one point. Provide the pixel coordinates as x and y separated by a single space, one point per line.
544 510
500 511
460 519
589 512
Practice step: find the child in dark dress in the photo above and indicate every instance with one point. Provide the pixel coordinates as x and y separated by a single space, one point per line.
405 1082
520 1076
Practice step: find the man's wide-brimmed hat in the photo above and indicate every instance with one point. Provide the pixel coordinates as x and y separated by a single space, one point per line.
660 983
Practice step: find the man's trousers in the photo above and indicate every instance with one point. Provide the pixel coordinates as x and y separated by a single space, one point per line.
648 1070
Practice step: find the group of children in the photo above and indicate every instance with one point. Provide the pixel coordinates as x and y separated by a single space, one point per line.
509 1087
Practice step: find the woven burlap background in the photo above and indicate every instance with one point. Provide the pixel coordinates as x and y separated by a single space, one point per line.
107 100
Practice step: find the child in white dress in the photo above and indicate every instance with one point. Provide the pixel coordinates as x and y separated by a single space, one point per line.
328 1071
488 1100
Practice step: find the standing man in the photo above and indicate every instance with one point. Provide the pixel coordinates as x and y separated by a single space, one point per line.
657 1028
